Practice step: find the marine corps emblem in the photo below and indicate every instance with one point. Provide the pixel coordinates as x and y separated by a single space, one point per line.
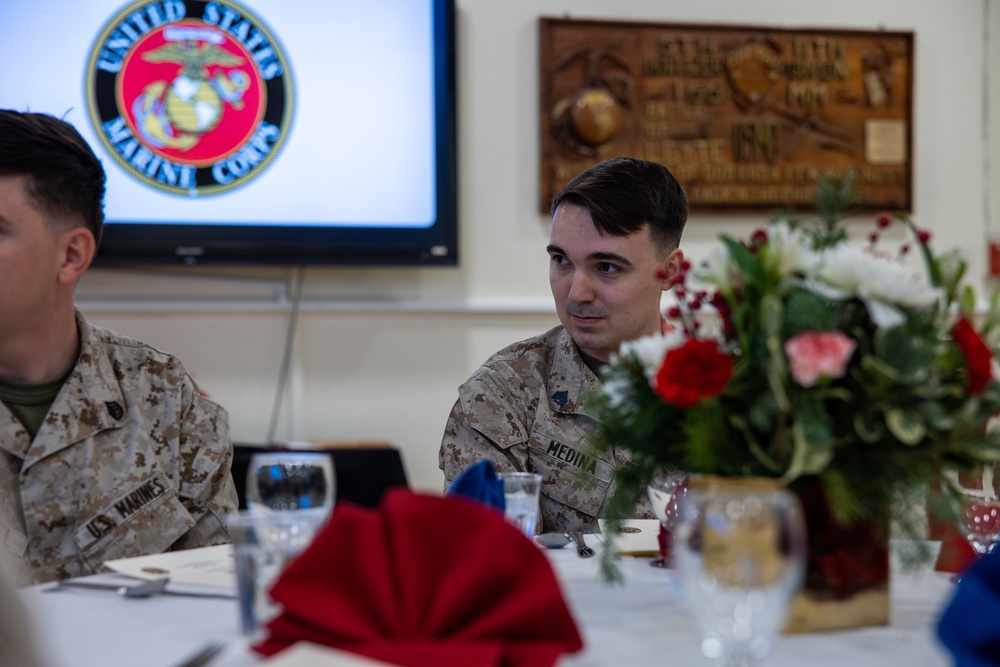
192 98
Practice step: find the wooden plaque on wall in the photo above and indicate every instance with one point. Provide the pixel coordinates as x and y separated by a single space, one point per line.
746 118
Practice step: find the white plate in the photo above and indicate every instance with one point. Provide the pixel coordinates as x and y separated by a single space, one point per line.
637 537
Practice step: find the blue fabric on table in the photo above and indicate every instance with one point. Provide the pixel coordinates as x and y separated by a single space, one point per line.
970 625
479 482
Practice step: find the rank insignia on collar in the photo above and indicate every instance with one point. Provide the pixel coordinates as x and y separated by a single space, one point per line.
116 411
560 398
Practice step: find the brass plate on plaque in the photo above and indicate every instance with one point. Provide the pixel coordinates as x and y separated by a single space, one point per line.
745 117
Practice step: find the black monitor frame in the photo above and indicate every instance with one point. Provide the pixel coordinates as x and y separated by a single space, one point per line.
163 242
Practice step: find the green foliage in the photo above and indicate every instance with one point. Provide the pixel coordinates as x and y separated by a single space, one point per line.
873 434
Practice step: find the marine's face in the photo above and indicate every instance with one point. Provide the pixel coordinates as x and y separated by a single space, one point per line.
607 288
31 254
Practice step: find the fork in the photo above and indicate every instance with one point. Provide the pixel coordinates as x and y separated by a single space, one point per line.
203 656
581 546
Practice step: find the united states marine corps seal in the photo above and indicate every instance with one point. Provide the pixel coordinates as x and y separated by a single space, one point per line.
192 98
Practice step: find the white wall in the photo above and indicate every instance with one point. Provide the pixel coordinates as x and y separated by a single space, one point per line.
380 352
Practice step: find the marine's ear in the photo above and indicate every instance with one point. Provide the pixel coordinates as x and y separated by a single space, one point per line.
78 249
670 268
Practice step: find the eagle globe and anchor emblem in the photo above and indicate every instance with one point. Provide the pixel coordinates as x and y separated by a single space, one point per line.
177 113
193 98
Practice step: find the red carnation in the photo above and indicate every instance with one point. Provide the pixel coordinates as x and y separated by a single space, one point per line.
695 370
977 355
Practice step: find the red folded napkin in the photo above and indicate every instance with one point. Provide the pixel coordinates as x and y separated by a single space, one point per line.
424 581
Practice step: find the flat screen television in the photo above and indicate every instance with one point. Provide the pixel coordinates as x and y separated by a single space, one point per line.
257 131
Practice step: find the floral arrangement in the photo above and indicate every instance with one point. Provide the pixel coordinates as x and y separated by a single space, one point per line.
801 355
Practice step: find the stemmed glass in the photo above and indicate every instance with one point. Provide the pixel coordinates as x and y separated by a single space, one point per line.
978 507
740 555
299 482
665 491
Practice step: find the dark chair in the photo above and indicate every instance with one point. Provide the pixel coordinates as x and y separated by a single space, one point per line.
362 474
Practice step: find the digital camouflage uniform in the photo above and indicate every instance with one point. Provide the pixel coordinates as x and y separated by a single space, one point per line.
130 460
522 409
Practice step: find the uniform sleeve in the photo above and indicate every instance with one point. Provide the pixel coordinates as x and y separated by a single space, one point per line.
17 637
206 488
488 421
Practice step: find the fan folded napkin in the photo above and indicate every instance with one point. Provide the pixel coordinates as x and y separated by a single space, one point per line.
479 482
424 581
969 626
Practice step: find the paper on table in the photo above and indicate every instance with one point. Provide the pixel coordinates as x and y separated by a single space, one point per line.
638 537
304 654
209 569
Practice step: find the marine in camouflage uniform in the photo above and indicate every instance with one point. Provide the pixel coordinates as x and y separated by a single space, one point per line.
129 460
523 409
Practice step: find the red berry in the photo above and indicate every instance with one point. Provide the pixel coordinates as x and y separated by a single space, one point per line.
883 220
923 236
673 311
873 237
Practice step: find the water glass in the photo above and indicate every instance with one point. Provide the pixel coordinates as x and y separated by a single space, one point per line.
520 493
665 491
292 481
978 507
263 544
740 555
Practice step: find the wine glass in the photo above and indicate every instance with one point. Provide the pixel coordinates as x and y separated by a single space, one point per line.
665 491
978 507
740 555
302 482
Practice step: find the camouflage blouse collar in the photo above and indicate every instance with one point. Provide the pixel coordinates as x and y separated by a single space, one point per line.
570 380
91 401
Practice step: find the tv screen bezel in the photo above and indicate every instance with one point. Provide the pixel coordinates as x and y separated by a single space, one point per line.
163 242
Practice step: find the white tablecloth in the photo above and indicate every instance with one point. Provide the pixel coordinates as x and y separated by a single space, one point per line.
635 625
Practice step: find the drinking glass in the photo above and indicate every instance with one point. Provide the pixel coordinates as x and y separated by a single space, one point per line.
978 507
665 491
740 556
520 493
263 544
291 481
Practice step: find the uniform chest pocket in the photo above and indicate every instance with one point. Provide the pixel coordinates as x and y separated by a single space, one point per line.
571 476
145 519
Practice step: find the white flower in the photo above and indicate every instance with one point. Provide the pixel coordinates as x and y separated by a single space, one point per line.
650 350
789 249
617 391
882 284
717 269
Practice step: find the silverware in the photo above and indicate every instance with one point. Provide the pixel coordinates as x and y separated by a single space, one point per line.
581 546
139 589
204 655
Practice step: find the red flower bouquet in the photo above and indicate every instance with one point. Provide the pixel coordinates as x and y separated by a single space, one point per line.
826 364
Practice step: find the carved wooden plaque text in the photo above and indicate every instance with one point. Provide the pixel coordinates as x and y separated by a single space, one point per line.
744 117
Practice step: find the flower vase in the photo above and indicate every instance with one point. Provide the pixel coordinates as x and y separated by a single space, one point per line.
847 571
847 568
